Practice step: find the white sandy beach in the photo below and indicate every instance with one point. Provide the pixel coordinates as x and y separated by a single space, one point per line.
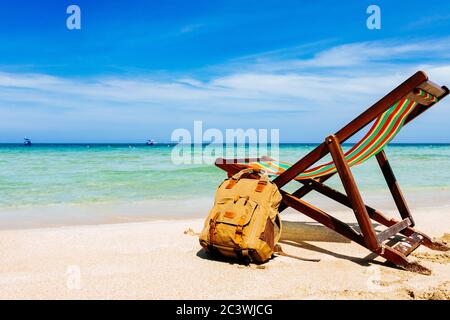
157 260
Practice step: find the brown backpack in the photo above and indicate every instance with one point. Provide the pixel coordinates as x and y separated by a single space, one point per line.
244 222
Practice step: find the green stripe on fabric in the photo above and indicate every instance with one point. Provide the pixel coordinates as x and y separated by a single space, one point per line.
383 120
369 139
393 134
376 139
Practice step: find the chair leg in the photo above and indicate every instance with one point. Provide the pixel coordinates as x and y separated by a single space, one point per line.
402 261
352 191
373 214
394 187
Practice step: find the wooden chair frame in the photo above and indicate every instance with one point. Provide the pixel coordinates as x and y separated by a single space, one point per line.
367 236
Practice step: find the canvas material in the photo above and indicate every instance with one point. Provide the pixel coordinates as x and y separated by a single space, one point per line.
245 223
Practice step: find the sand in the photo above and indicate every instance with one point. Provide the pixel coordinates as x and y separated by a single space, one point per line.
163 260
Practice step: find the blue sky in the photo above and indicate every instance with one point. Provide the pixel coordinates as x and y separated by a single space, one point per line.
141 69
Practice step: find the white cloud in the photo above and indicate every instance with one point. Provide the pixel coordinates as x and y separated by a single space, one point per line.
333 84
364 56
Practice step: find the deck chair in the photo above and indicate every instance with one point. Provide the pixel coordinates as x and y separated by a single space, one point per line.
388 115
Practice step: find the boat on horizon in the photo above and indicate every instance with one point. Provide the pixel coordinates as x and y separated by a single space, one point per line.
150 142
26 142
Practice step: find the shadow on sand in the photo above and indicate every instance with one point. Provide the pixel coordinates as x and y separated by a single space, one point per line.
297 234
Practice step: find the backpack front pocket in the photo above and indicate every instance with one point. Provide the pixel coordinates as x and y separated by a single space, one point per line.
232 216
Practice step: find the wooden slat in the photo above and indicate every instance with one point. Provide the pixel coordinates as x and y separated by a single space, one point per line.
409 244
422 108
432 88
393 230
420 100
428 87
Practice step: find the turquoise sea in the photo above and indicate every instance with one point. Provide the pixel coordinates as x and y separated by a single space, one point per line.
47 174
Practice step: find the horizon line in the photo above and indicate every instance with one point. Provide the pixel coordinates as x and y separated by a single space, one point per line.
204 143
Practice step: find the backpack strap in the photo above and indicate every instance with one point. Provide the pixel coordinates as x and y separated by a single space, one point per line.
263 181
279 251
280 227
235 178
243 255
260 186
231 184
212 227
239 231
238 175
263 178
